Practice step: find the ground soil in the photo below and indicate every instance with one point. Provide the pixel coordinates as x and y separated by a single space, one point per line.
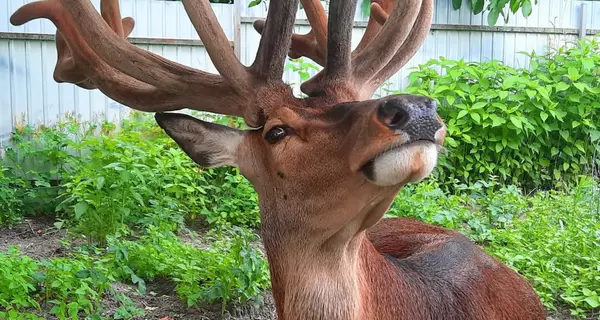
38 239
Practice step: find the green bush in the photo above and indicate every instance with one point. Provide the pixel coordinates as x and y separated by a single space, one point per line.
106 180
39 156
535 128
11 205
552 238
227 270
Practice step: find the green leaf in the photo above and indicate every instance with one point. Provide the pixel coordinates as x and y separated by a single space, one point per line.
450 100
476 117
499 147
573 73
456 4
516 121
564 134
565 166
568 151
593 301
477 6
366 8
543 92
530 93
254 3
562 86
574 98
514 5
100 182
526 8
461 114
543 116
510 82
593 90
493 16
594 135
478 105
80 209
503 94
581 86
587 63
497 121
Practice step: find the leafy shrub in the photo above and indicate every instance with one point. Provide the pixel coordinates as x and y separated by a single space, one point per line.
552 238
16 281
39 156
535 128
227 270
11 205
71 286
105 181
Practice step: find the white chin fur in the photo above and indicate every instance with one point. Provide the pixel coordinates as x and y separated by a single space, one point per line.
407 164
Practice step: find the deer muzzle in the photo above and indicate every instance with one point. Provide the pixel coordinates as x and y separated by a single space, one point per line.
415 118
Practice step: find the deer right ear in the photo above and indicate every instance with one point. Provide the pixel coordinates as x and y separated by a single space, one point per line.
210 145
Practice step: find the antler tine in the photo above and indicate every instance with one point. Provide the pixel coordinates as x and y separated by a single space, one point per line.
387 42
380 11
74 55
383 50
317 19
312 44
409 48
127 58
339 39
112 15
205 22
275 40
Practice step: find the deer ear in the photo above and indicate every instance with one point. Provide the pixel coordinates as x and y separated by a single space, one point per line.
210 145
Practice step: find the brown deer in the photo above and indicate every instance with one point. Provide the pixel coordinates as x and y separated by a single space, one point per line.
326 167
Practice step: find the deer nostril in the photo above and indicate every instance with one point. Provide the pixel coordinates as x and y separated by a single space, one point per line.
393 113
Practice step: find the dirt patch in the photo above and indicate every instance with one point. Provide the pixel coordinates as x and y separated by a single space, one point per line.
161 302
36 238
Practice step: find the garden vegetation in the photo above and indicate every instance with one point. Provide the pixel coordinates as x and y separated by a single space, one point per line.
519 177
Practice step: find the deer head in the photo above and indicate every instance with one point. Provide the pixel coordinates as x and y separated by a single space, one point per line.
326 167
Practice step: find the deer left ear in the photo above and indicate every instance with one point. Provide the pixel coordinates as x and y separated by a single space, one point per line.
208 144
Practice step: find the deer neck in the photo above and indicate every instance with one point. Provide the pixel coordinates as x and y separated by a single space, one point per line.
319 274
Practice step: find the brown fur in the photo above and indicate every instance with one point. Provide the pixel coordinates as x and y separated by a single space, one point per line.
330 254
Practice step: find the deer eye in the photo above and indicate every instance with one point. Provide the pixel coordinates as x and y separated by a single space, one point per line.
275 134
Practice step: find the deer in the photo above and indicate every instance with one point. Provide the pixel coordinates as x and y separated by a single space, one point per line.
326 166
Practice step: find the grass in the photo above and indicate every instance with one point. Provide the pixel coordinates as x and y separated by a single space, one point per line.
129 198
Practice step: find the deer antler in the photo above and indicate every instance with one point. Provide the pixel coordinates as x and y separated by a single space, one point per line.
93 53
313 44
395 31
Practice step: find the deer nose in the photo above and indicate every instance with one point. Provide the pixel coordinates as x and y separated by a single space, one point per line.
413 115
